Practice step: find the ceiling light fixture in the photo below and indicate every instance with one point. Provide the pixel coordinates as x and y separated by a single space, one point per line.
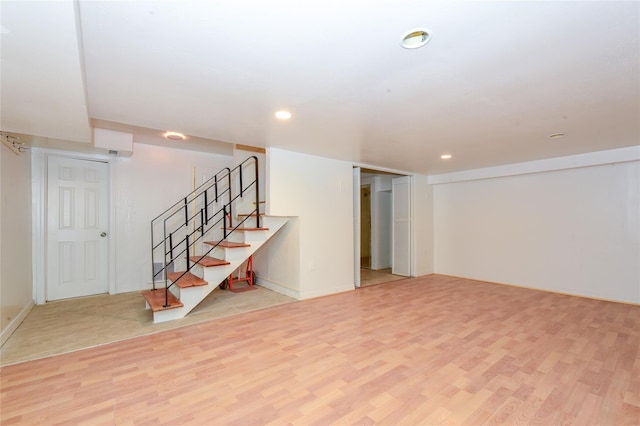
283 115
416 38
175 136
446 156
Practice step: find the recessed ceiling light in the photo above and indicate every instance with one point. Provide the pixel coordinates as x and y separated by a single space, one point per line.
416 38
175 136
446 156
283 115
556 135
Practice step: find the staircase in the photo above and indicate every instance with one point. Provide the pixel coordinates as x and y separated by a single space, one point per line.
201 240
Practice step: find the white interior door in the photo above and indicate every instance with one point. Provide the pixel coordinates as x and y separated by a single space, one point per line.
356 226
401 229
77 225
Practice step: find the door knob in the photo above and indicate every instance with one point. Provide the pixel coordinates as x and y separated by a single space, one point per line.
103 234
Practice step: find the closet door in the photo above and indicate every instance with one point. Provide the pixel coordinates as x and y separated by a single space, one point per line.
401 230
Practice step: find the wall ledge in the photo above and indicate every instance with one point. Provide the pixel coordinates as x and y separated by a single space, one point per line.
613 156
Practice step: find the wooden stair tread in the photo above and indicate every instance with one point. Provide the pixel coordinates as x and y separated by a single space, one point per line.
249 214
156 299
187 280
227 244
207 261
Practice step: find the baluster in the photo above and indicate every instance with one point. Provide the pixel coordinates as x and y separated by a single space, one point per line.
255 162
188 247
170 251
215 186
224 221
186 212
153 272
206 208
229 186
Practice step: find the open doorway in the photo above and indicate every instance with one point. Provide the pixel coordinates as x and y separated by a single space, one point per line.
379 227
365 226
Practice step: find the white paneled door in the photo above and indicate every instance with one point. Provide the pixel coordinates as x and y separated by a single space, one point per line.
77 228
401 231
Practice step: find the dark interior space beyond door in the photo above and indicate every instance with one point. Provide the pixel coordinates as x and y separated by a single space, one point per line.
365 226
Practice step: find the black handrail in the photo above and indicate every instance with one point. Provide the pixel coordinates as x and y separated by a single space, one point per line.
208 183
206 221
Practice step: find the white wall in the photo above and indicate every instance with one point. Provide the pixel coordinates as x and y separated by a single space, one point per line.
147 183
574 230
15 230
318 191
277 263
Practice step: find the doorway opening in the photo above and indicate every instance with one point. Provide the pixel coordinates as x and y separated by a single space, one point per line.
382 222
365 226
77 244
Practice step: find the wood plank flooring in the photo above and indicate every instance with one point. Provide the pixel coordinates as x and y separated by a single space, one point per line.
69 325
431 350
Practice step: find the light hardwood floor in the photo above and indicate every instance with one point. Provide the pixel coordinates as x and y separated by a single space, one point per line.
68 325
378 276
431 350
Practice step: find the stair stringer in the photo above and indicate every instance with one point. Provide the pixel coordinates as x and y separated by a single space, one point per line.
214 275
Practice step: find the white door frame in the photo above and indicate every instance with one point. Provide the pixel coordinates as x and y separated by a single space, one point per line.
356 226
409 226
356 213
39 215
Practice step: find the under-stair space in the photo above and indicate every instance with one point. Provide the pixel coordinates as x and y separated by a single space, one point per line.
201 240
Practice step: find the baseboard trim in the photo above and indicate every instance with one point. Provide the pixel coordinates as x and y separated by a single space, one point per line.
13 325
278 288
546 290
326 292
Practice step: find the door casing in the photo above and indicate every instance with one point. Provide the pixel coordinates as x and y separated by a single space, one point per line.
77 224
401 232
410 267
39 216
365 226
356 226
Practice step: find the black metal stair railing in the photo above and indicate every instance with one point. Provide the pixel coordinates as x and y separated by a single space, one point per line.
177 231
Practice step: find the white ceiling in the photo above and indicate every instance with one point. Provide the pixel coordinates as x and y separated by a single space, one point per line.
496 80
